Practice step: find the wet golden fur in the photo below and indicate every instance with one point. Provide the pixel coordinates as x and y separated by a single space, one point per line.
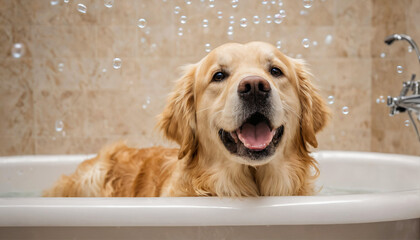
202 166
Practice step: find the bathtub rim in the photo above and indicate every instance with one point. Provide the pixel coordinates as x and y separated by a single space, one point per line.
293 210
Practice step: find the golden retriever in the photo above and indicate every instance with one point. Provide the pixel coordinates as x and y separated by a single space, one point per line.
244 118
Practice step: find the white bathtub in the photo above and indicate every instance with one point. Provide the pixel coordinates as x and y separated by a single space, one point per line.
365 196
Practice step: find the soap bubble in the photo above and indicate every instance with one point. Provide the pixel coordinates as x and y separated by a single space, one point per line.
230 31
273 2
407 123
219 14
142 23
205 23
303 12
104 70
60 67
305 42
330 100
144 106
383 55
243 22
81 8
256 19
298 55
314 43
264 2
59 125
280 3
307 3
282 13
207 47
232 20
211 3
117 63
278 18
183 19
400 69
328 39
18 50
345 110
380 99
235 3
278 44
148 99
410 49
268 19
108 3
66 1
177 9
180 31
188 2
54 2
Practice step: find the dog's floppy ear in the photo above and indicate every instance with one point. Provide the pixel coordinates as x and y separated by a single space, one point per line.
177 121
315 113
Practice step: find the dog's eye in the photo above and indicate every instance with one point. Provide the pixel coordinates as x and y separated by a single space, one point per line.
219 76
276 72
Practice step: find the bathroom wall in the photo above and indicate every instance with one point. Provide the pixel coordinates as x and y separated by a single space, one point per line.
63 95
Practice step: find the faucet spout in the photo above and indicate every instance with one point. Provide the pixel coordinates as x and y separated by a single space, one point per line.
391 38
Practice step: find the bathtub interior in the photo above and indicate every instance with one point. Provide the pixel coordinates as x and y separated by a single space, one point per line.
342 173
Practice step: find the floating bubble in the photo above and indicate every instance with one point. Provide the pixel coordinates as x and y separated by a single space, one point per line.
298 55
328 39
177 9
314 43
205 23
267 34
117 63
380 99
66 1
148 99
18 50
273 2
211 3
142 23
382 55
104 70
180 31
268 19
400 69
307 3
81 8
54 2
410 49
278 18
282 13
144 106
60 67
407 123
264 2
108 3
345 110
243 22
305 42
231 19
59 126
330 99
230 31
256 19
278 44
219 14
188 2
207 47
280 3
235 3
183 19
303 12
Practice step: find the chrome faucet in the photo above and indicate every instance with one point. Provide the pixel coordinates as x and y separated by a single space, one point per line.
404 102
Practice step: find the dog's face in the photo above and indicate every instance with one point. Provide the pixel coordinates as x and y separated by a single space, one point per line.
244 102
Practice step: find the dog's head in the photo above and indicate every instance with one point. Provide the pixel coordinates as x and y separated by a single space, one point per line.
245 102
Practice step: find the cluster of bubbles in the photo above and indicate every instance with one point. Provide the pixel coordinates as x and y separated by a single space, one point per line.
380 99
146 103
18 50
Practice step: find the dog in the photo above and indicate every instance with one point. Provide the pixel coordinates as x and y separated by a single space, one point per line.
245 118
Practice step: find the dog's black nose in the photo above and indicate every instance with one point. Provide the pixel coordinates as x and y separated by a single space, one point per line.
254 88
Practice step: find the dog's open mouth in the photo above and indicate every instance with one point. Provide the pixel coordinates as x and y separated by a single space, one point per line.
255 139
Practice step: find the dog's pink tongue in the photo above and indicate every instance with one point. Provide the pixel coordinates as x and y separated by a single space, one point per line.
255 137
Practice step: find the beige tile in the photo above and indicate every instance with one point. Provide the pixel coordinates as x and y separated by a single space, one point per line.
353 12
18 145
353 41
6 12
62 41
6 41
16 109
116 41
122 13
59 105
320 14
378 46
388 12
16 75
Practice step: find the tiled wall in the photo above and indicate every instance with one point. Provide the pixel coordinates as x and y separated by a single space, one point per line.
67 74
